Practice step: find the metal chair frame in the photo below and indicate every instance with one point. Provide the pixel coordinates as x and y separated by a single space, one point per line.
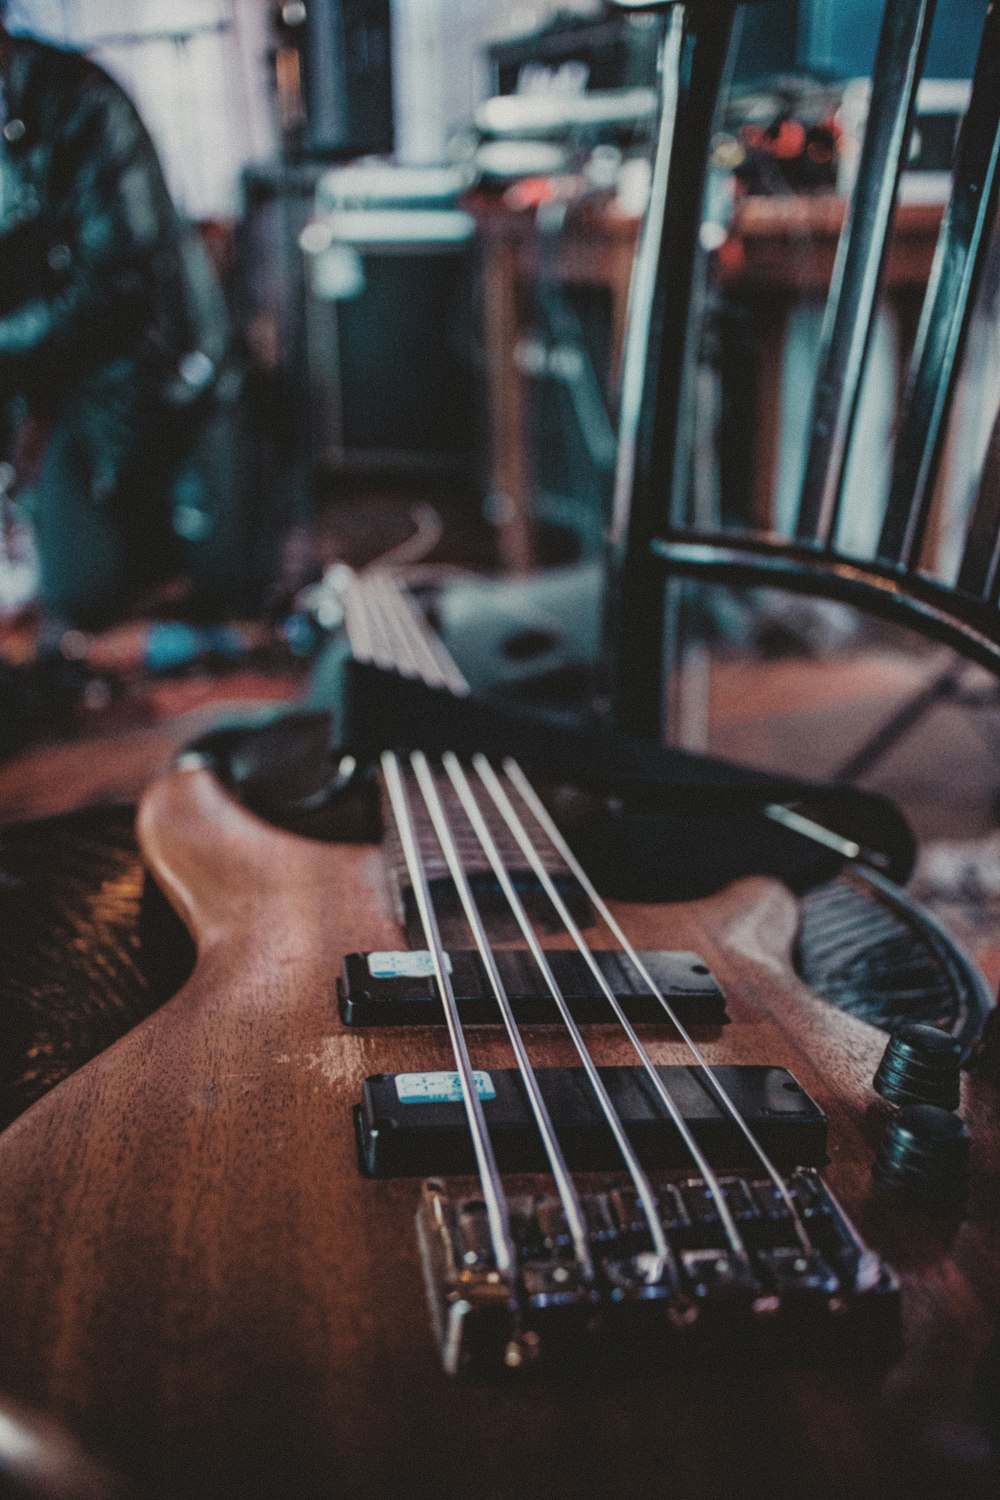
650 540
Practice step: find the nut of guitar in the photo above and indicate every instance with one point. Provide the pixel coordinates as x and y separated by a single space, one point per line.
836 1300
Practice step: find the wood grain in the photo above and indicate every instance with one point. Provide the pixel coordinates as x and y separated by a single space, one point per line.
202 1288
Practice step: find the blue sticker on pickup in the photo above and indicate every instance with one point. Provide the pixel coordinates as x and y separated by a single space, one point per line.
416 964
440 1088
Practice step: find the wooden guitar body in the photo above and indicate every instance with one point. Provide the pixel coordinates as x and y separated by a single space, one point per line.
199 1285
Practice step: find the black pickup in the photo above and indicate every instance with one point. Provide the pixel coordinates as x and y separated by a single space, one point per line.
414 1124
372 992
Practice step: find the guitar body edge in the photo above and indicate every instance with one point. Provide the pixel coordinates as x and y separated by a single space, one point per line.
200 1285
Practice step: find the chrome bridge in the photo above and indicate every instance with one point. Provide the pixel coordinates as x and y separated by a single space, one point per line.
836 1300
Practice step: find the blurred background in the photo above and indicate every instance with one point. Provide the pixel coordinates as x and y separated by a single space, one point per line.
421 217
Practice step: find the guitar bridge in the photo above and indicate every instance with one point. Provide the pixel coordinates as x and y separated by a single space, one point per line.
835 1300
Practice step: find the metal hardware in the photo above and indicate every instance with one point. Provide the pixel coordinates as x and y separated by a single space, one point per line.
839 1300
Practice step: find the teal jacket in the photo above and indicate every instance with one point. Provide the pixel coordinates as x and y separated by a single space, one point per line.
102 297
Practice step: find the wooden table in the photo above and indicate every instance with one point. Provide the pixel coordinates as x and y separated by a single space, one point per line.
779 251
596 248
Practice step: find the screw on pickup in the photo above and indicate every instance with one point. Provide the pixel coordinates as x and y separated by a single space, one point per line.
837 1300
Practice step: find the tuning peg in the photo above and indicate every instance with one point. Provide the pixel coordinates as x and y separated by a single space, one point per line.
920 1065
925 1154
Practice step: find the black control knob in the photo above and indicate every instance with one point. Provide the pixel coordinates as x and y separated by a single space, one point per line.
920 1065
925 1154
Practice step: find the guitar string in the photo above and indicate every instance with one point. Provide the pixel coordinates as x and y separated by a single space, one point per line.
643 1186
565 1186
488 778
382 641
408 614
429 660
721 1095
389 624
531 798
494 1197
435 656
487 841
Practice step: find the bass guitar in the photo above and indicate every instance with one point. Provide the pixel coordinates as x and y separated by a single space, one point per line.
442 1175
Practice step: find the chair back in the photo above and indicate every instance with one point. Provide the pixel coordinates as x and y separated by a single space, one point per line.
653 535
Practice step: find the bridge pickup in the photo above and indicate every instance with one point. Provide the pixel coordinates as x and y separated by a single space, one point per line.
836 1300
414 1124
387 989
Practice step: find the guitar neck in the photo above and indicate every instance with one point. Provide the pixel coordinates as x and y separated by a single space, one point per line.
387 629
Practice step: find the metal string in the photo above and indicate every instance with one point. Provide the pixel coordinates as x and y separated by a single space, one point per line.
641 1182
569 1198
643 1187
494 1197
438 669
488 777
433 651
565 1186
356 622
399 651
431 661
384 654
404 618
532 800
541 814
409 641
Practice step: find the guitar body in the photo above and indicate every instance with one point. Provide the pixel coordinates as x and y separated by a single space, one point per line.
199 1285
